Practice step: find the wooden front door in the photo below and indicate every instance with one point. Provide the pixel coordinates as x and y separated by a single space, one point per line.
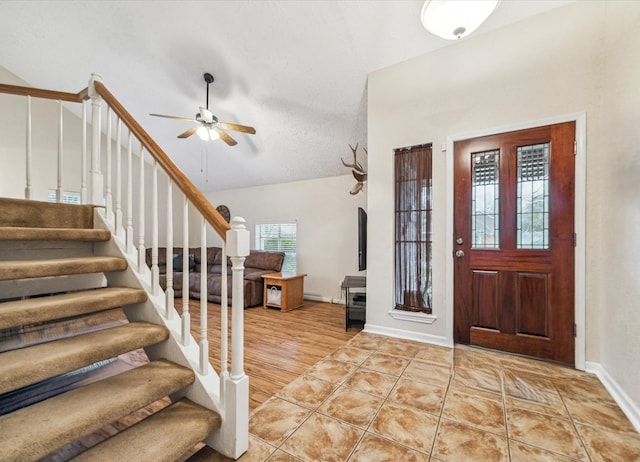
514 242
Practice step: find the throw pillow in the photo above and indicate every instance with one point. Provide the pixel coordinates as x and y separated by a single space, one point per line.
177 262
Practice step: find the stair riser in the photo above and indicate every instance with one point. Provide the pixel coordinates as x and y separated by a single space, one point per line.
33 250
13 289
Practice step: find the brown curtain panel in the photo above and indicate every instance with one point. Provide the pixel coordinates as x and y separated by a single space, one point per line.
413 228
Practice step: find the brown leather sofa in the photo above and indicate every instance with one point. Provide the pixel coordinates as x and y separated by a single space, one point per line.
258 262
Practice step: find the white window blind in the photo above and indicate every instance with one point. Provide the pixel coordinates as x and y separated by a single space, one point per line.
67 197
279 237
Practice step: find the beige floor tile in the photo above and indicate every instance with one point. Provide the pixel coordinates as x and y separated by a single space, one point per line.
435 354
367 341
436 374
484 414
374 448
352 406
322 438
423 396
372 382
458 442
306 391
276 419
398 348
387 364
281 456
584 389
482 379
521 452
553 411
456 385
608 446
546 432
598 414
332 371
350 355
531 387
406 426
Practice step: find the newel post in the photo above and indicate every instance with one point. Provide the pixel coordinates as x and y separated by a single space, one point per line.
237 388
95 175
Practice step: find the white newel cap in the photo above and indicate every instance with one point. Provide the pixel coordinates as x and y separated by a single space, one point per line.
238 238
92 91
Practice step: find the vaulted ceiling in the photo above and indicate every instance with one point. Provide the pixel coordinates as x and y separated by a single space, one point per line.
295 70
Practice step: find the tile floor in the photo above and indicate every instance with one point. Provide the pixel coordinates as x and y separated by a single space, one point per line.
384 399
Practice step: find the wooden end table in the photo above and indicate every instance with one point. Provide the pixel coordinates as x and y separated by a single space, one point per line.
291 290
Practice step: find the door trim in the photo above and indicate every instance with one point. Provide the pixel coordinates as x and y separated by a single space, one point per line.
580 119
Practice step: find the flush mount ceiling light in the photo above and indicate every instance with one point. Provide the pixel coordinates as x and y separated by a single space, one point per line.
454 19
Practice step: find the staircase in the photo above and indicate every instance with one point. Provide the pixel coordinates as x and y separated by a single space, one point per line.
55 245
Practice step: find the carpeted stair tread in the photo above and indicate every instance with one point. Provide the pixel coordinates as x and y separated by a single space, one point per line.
21 269
27 213
33 310
35 431
11 233
33 364
162 437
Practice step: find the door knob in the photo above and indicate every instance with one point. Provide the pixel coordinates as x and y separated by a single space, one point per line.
459 241
459 254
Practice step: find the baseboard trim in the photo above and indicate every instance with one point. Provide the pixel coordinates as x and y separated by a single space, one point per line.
623 400
318 298
408 335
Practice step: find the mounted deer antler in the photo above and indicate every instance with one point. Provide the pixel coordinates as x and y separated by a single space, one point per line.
358 171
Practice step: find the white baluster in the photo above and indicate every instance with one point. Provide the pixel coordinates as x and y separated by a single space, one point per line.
59 190
224 325
169 271
155 272
97 186
204 341
83 159
141 223
186 317
27 189
108 198
238 245
119 226
130 245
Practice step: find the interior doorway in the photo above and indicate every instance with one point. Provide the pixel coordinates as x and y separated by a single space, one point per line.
514 241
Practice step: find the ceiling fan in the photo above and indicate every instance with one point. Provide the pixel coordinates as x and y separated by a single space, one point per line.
209 128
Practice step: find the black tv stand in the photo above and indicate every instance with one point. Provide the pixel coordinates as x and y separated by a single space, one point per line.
355 301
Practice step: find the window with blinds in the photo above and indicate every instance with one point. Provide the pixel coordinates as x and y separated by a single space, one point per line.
68 197
279 237
413 229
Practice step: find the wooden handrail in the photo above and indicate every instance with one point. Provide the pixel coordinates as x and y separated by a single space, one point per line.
47 94
194 195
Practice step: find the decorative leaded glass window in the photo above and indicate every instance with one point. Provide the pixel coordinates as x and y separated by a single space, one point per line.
532 228
485 200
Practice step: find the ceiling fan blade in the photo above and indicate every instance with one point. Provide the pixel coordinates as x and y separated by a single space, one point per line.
225 137
188 133
172 117
206 114
237 127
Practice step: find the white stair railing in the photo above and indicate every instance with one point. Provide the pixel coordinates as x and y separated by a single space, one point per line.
226 393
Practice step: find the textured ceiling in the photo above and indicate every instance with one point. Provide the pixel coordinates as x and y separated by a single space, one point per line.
295 70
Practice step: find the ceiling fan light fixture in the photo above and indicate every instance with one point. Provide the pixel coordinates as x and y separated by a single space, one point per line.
454 19
207 134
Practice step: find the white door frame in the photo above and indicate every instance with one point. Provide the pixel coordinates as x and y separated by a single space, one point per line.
580 119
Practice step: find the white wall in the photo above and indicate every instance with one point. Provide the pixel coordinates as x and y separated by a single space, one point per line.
327 225
582 57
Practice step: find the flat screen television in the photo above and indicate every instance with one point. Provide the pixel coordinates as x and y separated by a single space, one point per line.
362 239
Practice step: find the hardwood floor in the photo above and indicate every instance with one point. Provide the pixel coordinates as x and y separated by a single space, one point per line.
279 346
